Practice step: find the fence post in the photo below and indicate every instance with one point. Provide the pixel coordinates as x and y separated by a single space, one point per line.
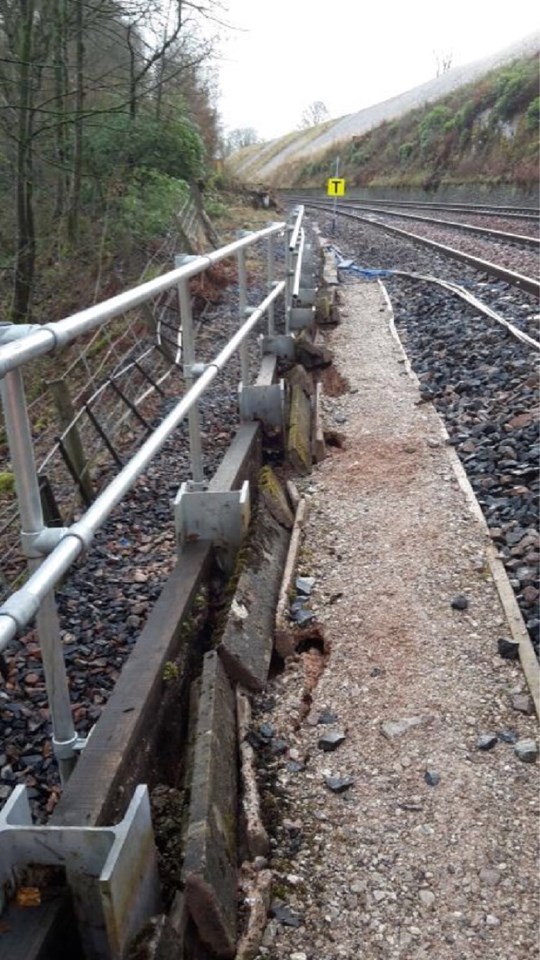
72 438
188 361
289 276
242 309
270 284
65 739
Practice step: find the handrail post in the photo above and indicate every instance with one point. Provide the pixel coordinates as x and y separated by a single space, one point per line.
242 311
188 359
65 739
270 259
289 274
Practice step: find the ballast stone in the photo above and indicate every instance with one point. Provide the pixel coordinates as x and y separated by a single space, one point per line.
526 750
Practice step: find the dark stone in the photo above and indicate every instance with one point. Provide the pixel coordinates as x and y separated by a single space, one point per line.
266 731
508 736
327 716
460 602
526 750
305 585
330 741
294 766
432 778
508 649
281 912
302 617
339 784
487 741
278 747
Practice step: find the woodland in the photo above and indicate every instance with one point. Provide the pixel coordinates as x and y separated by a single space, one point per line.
107 113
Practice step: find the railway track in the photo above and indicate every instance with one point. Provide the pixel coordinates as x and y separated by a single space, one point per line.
470 209
481 377
502 256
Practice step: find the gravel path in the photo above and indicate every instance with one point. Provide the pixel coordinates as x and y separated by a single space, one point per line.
484 384
428 850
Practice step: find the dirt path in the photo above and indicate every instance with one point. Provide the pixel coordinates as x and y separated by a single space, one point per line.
431 853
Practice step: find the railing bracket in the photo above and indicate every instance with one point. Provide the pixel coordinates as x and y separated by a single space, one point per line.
111 871
221 517
264 403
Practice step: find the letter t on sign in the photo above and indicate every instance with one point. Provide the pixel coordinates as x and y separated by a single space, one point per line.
336 187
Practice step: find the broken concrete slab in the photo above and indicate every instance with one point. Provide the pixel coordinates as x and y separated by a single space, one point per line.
257 840
298 448
298 376
275 498
283 634
246 643
210 868
310 354
318 445
158 940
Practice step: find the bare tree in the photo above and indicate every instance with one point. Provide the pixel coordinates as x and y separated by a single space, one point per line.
316 113
443 61
240 137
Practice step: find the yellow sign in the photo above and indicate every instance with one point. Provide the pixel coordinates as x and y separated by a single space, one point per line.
336 187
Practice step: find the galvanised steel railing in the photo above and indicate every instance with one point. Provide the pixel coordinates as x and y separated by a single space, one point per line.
52 551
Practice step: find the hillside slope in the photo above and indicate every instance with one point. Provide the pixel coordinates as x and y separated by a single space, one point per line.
265 163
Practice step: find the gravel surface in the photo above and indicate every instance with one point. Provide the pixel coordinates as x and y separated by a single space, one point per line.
526 226
405 836
484 383
511 256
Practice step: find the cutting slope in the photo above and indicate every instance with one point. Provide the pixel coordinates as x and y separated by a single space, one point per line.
260 162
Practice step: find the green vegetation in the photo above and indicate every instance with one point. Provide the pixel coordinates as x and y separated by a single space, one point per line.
7 482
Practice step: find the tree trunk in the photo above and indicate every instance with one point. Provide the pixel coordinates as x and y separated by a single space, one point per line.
74 209
25 245
60 90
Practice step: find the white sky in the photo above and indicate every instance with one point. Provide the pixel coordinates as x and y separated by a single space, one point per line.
287 54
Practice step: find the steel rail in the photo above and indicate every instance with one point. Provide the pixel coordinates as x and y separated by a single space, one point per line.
489 210
457 290
514 279
23 605
453 224
40 340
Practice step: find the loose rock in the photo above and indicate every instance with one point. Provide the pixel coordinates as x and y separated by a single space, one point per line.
330 741
487 741
526 750
339 784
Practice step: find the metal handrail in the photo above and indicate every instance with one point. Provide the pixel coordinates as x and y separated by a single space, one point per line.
51 552
22 605
43 339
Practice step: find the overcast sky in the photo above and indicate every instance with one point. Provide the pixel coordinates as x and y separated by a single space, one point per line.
286 54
